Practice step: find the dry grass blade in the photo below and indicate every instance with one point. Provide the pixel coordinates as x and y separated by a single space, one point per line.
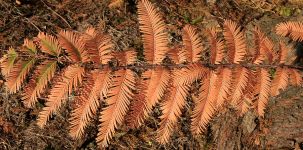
49 44
216 47
204 107
172 107
118 100
235 40
73 45
87 104
43 74
18 74
280 81
192 44
292 29
71 78
153 29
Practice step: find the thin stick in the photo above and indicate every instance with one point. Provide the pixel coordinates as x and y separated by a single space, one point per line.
64 20
144 65
27 20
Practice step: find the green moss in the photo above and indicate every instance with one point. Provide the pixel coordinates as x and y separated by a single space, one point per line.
285 11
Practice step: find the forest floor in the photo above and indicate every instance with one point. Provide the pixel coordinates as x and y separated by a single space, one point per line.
282 127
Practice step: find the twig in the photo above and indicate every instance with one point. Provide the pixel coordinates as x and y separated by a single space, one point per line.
207 65
56 14
27 20
144 65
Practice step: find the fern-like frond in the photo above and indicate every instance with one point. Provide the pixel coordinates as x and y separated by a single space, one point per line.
282 57
262 88
235 40
222 86
172 107
174 55
98 46
263 47
87 104
138 112
258 40
90 33
267 49
100 76
246 100
216 47
239 84
43 74
126 57
49 44
192 44
119 96
292 29
29 47
156 83
18 74
92 39
105 48
153 29
73 45
295 77
7 61
280 81
192 73
244 105
204 107
71 78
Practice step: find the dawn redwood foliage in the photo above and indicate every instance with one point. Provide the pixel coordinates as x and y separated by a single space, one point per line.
79 65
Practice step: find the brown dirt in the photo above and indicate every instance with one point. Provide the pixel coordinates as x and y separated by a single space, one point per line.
280 129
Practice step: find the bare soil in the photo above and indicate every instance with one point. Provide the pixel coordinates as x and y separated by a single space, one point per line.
282 127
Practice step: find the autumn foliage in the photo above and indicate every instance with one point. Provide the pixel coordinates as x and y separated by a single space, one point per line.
77 68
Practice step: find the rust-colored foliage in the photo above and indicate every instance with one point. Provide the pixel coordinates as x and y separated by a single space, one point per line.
76 67
154 35
291 29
